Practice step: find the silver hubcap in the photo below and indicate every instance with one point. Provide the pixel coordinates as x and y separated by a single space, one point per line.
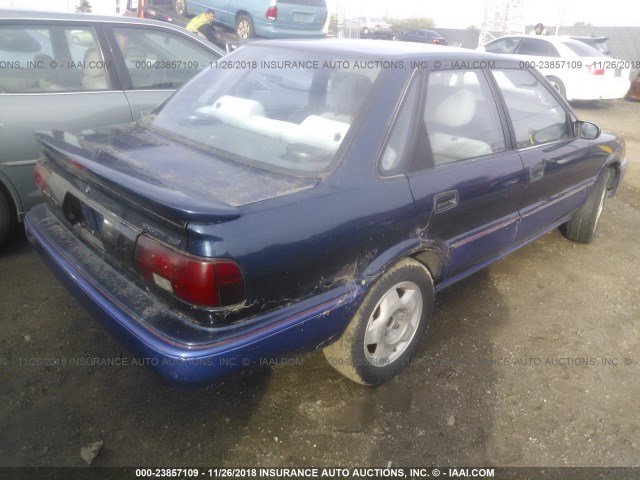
600 207
244 29
393 324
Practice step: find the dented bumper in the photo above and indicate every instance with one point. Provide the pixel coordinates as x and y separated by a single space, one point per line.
178 348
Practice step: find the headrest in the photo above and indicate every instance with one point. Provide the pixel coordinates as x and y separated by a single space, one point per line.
452 109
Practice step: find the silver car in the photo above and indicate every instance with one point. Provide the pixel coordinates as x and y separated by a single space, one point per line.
373 27
77 71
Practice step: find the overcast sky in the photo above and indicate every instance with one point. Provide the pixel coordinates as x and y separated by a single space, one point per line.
451 14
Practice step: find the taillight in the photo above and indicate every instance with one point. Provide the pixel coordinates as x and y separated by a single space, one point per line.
272 13
595 71
199 281
41 176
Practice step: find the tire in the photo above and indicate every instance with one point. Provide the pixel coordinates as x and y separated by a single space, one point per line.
244 27
181 7
365 32
558 86
387 328
584 222
5 217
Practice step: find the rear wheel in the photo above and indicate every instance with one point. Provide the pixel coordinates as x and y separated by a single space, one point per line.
365 32
557 84
584 223
244 27
5 217
387 328
181 7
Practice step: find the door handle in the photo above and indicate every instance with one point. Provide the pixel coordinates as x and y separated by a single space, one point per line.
536 172
444 201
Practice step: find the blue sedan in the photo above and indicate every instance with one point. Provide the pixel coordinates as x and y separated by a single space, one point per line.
313 195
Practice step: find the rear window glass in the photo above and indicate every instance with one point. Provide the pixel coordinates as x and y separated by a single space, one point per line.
275 109
582 49
311 3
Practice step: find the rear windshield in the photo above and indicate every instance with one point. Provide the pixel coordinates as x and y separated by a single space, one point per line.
311 3
272 108
582 49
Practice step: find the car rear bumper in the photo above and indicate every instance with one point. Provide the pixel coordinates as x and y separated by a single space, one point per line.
271 30
177 348
592 87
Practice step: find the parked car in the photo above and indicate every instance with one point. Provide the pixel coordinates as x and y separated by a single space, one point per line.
577 70
268 210
153 9
422 36
80 71
373 27
263 18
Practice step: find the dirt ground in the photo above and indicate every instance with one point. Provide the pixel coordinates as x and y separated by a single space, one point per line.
533 361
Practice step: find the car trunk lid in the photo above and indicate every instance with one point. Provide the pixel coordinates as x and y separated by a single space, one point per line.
118 182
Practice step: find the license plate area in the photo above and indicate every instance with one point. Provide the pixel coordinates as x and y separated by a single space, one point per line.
104 231
85 219
302 17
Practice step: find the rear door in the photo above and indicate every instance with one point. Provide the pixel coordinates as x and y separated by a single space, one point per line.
153 62
467 185
61 77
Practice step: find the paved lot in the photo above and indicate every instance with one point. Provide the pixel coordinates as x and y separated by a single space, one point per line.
533 361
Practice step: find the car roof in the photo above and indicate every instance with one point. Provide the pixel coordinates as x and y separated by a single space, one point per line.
11 14
548 38
384 49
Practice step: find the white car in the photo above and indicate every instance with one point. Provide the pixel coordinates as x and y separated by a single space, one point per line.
373 27
577 70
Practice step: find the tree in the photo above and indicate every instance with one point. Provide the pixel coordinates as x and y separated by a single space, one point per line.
84 6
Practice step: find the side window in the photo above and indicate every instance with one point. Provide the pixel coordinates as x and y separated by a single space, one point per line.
51 59
536 115
397 146
460 120
157 59
534 46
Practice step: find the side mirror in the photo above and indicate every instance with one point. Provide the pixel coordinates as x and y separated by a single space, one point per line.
586 130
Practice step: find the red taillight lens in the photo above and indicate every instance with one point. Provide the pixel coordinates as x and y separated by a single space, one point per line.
200 281
272 13
595 71
41 176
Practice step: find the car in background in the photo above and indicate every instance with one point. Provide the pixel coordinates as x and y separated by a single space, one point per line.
152 9
266 210
422 36
263 18
577 70
599 43
369 27
74 71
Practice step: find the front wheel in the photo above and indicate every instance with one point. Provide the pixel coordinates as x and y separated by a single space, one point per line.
244 27
387 328
584 222
181 7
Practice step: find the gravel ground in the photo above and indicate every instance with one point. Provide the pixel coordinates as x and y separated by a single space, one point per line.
533 361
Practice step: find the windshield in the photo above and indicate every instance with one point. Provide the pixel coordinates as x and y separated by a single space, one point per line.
269 107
